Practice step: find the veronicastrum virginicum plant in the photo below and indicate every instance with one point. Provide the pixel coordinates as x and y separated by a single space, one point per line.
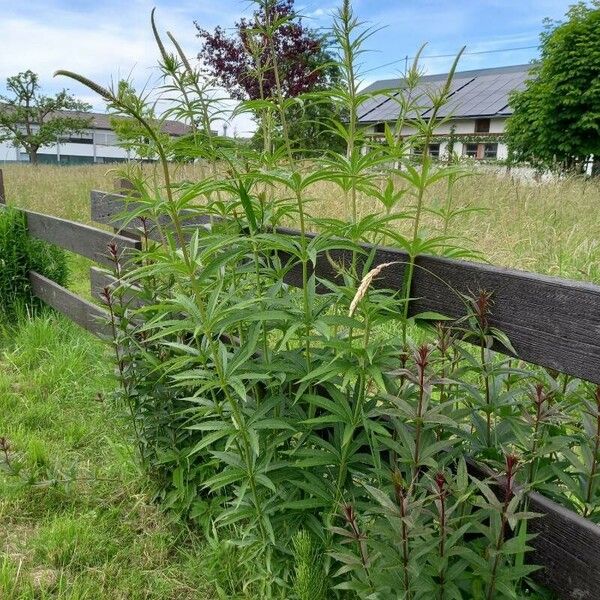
317 435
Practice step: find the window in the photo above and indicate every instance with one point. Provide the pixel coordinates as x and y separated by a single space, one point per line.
380 128
416 150
482 125
470 150
479 151
105 139
77 139
434 150
66 159
490 151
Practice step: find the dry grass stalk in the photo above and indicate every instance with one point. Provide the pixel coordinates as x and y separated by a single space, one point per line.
546 227
365 284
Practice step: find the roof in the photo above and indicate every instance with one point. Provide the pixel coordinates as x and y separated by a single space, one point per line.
476 93
102 121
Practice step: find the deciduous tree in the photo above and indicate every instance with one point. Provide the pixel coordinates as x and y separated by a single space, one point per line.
33 120
556 120
243 64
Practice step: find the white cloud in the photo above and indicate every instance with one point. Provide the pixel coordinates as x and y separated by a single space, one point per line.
111 41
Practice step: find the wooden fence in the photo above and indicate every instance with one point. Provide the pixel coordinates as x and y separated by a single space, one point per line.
551 322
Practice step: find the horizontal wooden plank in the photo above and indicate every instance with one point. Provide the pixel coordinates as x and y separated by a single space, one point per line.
84 313
566 545
551 322
100 280
75 237
109 209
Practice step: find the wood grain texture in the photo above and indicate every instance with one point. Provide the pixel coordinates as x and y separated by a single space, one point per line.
568 547
550 322
2 191
89 316
81 239
125 187
110 209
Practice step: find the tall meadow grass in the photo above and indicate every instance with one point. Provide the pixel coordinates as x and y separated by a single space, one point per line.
549 227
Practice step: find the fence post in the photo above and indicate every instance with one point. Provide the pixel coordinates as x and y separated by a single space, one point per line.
2 192
125 186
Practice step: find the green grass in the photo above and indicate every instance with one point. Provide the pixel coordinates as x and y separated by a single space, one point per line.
549 227
76 517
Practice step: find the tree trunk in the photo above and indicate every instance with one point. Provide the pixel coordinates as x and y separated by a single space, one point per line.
33 157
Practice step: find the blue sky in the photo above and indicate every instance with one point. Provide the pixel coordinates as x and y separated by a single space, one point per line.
112 39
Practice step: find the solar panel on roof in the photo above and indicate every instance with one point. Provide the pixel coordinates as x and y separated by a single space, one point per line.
421 97
473 93
485 95
368 105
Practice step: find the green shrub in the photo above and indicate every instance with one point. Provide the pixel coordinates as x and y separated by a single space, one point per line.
19 254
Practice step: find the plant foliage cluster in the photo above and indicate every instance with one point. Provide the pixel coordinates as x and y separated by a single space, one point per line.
20 254
556 120
318 434
275 51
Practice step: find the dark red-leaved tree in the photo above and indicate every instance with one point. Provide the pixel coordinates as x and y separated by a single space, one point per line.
234 60
242 62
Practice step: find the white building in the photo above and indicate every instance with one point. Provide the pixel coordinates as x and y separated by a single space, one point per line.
97 144
476 110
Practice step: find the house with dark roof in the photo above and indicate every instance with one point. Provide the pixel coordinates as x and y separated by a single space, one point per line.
96 144
473 119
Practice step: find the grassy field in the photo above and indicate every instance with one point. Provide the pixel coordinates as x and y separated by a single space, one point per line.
76 518
549 227
76 514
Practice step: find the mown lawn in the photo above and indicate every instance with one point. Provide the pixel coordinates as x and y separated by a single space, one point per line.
76 514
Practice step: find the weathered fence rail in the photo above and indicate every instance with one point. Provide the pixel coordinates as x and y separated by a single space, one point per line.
82 239
551 322
84 313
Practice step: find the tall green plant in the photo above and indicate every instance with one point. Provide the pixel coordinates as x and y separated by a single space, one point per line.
319 431
20 254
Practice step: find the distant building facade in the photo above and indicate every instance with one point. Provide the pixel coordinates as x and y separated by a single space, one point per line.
476 111
97 144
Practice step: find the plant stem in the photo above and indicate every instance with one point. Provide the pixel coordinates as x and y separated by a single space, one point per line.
498 546
442 547
419 422
594 467
400 493
486 383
